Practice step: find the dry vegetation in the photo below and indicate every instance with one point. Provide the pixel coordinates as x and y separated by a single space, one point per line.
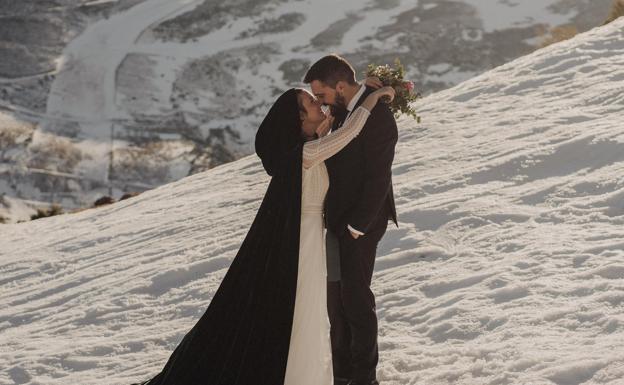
617 10
557 34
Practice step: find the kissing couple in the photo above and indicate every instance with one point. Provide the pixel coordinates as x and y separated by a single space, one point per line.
295 306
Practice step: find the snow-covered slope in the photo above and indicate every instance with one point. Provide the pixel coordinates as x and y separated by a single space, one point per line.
507 268
138 93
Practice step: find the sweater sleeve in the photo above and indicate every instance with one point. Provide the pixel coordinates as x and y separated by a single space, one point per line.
318 150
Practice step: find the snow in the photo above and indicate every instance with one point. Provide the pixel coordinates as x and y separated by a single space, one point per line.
85 85
13 209
502 14
507 267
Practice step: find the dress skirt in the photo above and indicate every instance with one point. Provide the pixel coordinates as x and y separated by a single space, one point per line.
309 355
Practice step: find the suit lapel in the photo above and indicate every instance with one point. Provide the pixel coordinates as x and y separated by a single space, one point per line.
339 117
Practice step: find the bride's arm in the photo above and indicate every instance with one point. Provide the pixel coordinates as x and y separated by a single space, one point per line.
325 147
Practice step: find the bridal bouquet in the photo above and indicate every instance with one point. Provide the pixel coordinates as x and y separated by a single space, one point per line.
405 93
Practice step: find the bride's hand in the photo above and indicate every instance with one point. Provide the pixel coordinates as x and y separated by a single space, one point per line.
386 91
382 93
374 82
325 126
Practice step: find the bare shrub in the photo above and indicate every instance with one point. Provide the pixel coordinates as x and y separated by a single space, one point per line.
12 137
129 195
105 200
55 154
148 164
617 10
557 34
54 209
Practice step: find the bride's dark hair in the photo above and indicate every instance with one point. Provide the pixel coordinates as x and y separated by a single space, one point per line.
300 92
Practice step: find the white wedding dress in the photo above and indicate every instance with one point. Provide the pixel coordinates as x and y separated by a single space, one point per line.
309 355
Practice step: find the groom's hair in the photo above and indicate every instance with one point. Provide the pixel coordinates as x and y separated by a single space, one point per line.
330 70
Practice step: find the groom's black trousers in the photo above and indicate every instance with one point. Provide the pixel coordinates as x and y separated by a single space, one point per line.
351 307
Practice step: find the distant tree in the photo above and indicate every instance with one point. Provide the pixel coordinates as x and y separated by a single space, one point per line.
617 10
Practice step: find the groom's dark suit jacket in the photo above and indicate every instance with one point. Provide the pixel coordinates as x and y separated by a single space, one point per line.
360 189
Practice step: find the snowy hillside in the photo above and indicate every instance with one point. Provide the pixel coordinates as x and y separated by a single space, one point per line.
507 268
132 94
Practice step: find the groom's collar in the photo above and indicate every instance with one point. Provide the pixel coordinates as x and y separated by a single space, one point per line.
356 98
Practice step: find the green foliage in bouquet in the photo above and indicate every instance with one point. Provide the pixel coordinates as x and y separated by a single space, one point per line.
405 93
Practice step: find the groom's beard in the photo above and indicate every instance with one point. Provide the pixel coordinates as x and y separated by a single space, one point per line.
341 102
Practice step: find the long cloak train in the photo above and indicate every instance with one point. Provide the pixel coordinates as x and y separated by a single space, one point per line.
243 336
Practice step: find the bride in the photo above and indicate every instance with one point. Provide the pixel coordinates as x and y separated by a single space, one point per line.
267 323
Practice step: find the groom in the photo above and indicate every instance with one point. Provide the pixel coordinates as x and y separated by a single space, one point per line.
358 205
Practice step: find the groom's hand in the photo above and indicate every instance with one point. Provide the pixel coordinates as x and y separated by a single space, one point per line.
354 235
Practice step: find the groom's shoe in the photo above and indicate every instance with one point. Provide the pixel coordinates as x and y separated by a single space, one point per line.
341 381
370 382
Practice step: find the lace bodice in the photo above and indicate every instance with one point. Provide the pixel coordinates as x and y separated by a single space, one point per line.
315 181
314 188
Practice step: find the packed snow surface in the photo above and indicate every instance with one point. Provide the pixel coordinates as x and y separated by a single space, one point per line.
507 266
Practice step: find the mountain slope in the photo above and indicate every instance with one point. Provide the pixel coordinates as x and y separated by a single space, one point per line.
507 267
139 93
